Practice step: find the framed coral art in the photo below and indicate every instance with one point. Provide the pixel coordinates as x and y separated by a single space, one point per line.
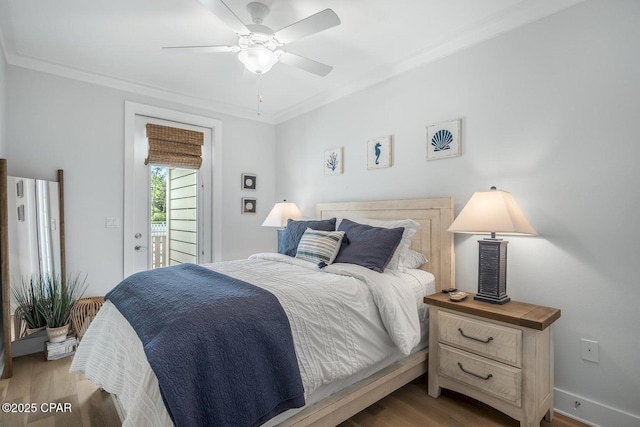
333 164
443 140
379 152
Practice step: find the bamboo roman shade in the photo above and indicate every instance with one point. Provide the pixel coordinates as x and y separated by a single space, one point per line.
174 147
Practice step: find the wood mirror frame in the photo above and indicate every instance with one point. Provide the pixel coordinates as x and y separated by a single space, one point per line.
5 300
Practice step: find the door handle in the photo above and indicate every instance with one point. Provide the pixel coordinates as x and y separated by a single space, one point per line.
138 247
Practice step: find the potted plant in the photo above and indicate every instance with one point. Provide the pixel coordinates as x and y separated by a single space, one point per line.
28 295
59 299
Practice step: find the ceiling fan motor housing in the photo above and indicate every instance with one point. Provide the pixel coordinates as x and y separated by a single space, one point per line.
259 36
258 11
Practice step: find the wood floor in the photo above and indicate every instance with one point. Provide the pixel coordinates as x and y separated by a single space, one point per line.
82 404
411 406
36 380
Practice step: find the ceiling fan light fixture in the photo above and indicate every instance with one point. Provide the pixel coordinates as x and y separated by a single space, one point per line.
259 47
258 60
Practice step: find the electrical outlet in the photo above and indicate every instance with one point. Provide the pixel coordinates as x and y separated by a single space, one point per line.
589 350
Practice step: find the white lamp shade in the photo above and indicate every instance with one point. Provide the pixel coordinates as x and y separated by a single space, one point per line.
280 213
493 211
258 60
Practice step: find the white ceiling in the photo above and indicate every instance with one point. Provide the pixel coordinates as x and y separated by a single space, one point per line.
118 43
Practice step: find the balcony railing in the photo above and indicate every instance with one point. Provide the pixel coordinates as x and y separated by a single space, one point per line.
158 244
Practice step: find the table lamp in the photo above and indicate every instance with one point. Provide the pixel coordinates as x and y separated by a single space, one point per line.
279 215
492 212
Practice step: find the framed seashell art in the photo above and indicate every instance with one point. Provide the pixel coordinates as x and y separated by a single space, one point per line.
443 140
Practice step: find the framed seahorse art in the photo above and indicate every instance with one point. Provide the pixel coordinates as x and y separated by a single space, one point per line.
380 152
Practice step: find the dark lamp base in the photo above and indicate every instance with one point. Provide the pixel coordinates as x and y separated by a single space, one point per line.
493 300
492 271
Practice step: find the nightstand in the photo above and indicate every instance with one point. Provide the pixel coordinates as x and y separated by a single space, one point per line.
501 355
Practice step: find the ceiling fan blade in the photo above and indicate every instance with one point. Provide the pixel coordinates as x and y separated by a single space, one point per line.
307 26
199 49
306 64
222 11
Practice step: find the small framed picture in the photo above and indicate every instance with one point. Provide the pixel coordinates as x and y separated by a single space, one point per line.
379 152
333 162
249 181
443 140
248 205
20 189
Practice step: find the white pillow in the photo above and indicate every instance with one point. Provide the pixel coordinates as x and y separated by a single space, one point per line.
410 227
319 246
414 260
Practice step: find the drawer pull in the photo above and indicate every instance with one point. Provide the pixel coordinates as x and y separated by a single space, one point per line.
488 340
488 377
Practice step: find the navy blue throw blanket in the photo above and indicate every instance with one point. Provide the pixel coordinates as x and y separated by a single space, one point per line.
221 348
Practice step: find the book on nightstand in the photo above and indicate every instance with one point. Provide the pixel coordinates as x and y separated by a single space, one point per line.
58 350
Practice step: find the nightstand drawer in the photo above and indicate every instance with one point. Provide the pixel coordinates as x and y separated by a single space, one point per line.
501 381
497 342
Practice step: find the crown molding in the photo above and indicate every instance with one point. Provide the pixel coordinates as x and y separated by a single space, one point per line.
135 87
510 19
494 27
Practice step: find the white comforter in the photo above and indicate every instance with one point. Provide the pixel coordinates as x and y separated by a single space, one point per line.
344 318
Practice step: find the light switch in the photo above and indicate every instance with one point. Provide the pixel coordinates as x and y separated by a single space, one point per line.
112 222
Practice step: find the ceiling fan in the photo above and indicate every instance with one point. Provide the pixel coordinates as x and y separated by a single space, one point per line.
259 47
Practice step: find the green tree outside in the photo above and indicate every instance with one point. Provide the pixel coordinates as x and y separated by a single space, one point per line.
158 194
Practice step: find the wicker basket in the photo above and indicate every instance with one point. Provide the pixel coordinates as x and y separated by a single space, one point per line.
19 325
83 312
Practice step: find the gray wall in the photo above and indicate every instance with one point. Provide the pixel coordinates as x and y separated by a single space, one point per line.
549 113
58 123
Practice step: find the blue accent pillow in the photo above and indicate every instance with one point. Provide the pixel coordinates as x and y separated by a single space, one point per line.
368 246
295 229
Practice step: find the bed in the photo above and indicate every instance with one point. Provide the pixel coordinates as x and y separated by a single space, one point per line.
381 355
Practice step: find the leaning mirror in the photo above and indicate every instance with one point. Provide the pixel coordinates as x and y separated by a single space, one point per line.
33 243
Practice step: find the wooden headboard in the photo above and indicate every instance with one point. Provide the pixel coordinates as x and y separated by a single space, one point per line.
432 239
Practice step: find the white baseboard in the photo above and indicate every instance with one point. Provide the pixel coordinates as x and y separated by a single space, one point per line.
592 413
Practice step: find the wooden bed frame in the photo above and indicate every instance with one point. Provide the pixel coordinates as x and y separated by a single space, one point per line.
432 239
436 243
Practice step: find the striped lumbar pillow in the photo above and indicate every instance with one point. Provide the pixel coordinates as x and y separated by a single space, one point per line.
319 246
